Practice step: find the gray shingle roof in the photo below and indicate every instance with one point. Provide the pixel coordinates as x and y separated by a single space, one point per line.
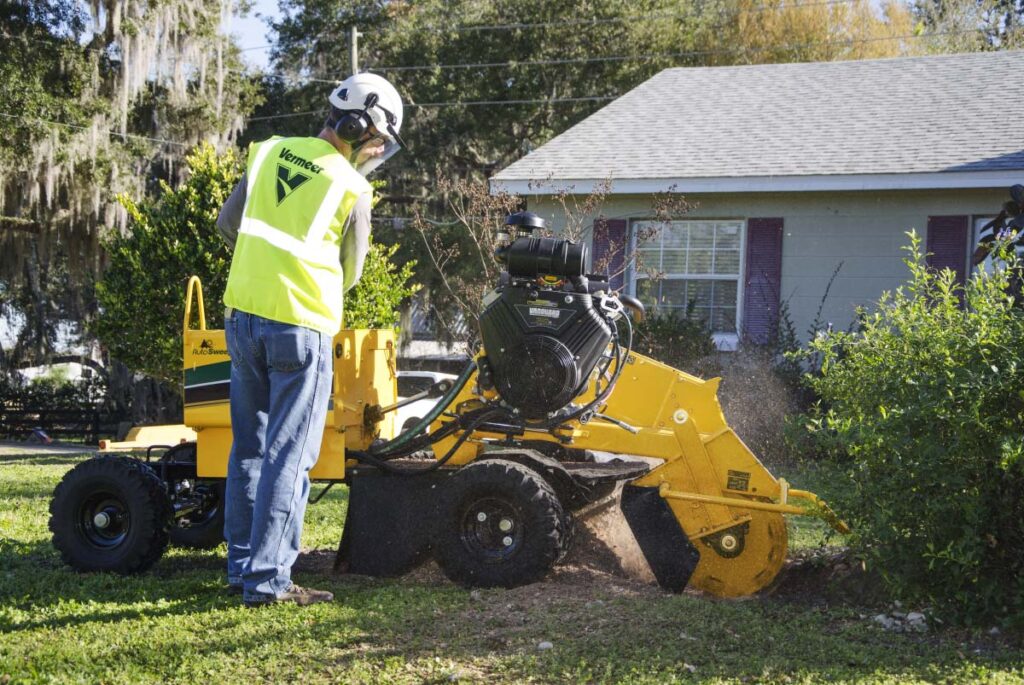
892 116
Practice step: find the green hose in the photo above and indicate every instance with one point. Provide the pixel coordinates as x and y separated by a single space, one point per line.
442 404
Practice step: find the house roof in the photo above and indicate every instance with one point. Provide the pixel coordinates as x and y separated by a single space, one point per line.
922 122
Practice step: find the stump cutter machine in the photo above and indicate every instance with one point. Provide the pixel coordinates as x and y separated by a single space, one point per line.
556 412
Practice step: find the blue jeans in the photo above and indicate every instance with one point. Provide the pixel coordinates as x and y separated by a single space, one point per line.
280 389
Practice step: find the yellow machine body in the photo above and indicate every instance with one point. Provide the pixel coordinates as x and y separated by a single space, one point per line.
727 504
364 375
710 479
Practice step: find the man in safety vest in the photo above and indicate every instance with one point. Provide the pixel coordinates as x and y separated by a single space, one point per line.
299 224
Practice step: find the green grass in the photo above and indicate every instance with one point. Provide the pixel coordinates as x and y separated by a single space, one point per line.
175 623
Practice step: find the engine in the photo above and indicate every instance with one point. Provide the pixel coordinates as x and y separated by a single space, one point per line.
542 331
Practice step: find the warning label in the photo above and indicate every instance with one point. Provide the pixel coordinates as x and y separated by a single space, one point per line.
738 480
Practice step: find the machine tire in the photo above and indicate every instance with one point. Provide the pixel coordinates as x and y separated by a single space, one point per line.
472 547
207 531
569 521
133 500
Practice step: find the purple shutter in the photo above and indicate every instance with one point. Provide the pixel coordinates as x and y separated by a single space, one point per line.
947 244
762 285
610 249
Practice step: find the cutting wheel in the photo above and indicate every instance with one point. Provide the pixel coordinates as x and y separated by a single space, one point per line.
754 568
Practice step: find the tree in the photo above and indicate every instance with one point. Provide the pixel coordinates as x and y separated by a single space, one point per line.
95 106
772 31
171 237
376 299
970 25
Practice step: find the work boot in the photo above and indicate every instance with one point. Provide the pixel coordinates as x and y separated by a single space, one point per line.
296 595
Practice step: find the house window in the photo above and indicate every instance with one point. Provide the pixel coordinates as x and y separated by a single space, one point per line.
698 262
980 223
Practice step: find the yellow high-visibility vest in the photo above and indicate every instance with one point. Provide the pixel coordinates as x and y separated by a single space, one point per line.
286 264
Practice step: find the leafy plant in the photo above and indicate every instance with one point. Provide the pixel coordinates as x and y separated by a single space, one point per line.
374 302
926 402
674 338
170 238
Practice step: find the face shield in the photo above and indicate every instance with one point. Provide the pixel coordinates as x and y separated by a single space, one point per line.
367 166
391 140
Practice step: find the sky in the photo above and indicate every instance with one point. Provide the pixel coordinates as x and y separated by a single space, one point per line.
251 32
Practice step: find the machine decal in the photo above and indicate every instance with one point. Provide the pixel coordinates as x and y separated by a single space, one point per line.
738 480
544 314
209 383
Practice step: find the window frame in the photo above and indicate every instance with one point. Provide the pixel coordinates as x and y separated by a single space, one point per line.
725 341
977 222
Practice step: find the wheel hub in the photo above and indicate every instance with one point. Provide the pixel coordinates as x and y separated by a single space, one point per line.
104 520
491 530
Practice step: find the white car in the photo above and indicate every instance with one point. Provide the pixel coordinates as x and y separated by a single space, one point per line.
412 383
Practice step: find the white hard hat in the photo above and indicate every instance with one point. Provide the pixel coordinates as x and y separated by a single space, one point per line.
377 103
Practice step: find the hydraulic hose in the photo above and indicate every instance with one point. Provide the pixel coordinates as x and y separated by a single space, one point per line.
400 440
380 463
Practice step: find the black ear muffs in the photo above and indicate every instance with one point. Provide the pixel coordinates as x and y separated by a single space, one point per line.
354 124
351 126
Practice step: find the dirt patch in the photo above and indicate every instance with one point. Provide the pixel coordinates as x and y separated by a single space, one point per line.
826 576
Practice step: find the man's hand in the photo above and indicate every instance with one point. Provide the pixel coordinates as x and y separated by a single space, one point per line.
372 149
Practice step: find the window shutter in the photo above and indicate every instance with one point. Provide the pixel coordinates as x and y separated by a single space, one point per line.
947 244
763 280
610 249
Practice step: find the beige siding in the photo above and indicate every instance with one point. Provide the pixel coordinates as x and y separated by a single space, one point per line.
863 231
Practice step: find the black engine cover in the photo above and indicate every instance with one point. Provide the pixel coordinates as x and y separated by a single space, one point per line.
542 346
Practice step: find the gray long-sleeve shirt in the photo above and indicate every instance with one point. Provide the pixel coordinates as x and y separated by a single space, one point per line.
355 241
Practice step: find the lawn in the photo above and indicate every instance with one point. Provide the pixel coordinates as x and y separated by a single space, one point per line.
176 624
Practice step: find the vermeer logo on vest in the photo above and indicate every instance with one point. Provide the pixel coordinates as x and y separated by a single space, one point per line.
287 182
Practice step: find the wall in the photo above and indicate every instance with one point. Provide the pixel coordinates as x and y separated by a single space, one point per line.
862 230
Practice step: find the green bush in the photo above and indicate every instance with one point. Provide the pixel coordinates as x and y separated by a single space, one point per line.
374 302
926 400
672 338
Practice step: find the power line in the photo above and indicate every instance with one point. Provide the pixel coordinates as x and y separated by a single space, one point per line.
613 58
87 128
658 55
585 22
467 103
612 20
625 58
287 116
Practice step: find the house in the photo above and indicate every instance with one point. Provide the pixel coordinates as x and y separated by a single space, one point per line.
795 171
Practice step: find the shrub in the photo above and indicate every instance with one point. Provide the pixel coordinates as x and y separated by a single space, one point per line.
678 340
383 286
927 401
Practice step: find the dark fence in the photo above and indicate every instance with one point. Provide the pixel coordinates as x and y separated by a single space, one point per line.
66 424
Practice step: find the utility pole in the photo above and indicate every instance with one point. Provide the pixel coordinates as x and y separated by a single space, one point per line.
353 48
